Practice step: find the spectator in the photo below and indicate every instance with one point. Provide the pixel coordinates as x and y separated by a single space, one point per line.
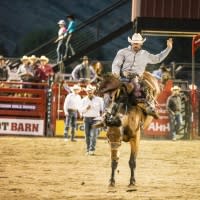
71 107
84 71
25 71
4 69
45 71
33 60
162 74
174 109
70 30
91 108
62 32
98 68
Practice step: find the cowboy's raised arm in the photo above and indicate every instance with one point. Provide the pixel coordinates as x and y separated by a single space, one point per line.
154 59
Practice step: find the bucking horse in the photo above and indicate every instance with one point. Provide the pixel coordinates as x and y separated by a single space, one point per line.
132 119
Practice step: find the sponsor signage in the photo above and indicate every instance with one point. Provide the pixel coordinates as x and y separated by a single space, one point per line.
80 132
160 127
9 126
17 106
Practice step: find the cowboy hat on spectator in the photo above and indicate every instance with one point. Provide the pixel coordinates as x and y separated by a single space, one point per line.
76 87
136 38
90 88
2 58
33 57
24 58
175 88
84 58
44 58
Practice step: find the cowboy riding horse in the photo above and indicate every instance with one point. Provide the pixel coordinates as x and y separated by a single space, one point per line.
126 117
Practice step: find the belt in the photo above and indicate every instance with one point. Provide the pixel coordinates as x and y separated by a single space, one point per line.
72 110
130 75
89 117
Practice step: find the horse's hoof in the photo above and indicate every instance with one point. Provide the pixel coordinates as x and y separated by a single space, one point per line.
112 184
131 185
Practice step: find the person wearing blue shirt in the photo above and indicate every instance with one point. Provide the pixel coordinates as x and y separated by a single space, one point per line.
70 30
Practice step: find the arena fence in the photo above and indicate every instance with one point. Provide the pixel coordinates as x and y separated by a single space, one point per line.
23 108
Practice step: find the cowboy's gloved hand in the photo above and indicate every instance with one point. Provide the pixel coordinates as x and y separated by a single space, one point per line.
170 43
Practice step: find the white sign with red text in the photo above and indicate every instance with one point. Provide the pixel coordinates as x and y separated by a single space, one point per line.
33 127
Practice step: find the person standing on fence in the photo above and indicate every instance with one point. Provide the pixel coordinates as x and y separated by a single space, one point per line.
70 32
91 108
71 107
62 32
174 109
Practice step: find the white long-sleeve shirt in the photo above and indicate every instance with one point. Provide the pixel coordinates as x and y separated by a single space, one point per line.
72 101
136 62
96 106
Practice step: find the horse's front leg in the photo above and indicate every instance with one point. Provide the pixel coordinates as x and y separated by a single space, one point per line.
134 142
114 164
132 165
114 138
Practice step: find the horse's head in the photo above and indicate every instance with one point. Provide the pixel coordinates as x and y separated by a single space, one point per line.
108 83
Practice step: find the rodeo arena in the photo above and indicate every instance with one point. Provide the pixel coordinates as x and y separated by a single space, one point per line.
76 127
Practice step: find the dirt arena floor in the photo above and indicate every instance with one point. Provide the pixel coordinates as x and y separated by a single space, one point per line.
51 169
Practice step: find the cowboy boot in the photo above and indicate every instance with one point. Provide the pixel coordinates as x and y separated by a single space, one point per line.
109 118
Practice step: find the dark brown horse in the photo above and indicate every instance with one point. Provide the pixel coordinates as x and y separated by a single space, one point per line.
133 119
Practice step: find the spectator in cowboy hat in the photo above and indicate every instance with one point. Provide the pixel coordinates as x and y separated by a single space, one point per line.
45 71
91 108
71 107
174 105
25 71
84 71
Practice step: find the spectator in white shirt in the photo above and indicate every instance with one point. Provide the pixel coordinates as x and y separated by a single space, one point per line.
91 108
71 107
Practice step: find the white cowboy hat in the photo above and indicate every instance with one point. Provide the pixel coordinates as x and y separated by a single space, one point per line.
62 22
24 58
90 88
136 38
33 57
76 87
192 86
44 58
175 88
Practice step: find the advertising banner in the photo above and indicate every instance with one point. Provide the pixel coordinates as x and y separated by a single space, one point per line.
160 127
9 126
